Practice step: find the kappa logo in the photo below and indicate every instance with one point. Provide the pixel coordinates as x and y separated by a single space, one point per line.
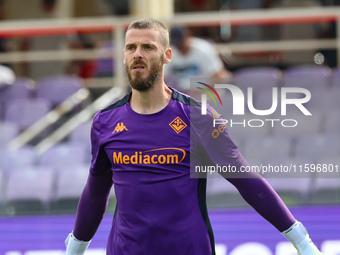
177 125
119 128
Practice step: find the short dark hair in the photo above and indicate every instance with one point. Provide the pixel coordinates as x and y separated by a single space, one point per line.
150 23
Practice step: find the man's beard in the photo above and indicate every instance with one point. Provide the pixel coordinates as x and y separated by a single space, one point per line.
144 84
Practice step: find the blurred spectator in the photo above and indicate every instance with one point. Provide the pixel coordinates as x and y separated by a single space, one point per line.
7 76
82 68
38 69
192 58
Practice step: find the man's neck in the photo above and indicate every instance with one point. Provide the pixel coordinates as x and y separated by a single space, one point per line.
152 100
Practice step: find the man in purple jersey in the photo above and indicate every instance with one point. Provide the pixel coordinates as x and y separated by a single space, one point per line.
144 145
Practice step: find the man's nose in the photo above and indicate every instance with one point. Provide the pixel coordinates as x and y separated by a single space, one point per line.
138 53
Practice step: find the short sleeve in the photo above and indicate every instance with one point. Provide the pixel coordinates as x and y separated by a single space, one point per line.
100 164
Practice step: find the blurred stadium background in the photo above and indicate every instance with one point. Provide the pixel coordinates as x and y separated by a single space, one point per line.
67 59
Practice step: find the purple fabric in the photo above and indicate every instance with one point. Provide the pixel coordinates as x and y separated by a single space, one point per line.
220 150
160 209
157 201
92 205
261 196
56 89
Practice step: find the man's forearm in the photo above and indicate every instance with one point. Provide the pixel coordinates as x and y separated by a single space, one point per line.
92 206
262 197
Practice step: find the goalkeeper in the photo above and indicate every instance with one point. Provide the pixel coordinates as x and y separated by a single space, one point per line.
145 145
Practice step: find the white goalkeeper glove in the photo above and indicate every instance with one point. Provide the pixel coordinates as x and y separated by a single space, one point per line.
75 246
299 237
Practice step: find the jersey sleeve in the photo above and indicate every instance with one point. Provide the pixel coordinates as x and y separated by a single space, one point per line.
100 163
217 146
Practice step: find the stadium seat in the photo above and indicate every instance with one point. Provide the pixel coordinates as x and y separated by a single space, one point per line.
81 134
335 79
2 192
29 191
316 147
307 76
221 193
326 185
8 131
2 186
294 185
295 123
216 184
264 100
259 78
324 99
263 148
25 112
22 88
57 88
247 126
69 186
64 154
1 112
18 159
70 183
332 122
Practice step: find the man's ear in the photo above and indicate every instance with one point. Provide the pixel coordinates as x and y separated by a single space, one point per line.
168 56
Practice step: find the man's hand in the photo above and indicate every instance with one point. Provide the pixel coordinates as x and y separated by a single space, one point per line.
75 246
299 237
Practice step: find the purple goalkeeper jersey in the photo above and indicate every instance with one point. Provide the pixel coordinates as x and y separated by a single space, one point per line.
160 208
